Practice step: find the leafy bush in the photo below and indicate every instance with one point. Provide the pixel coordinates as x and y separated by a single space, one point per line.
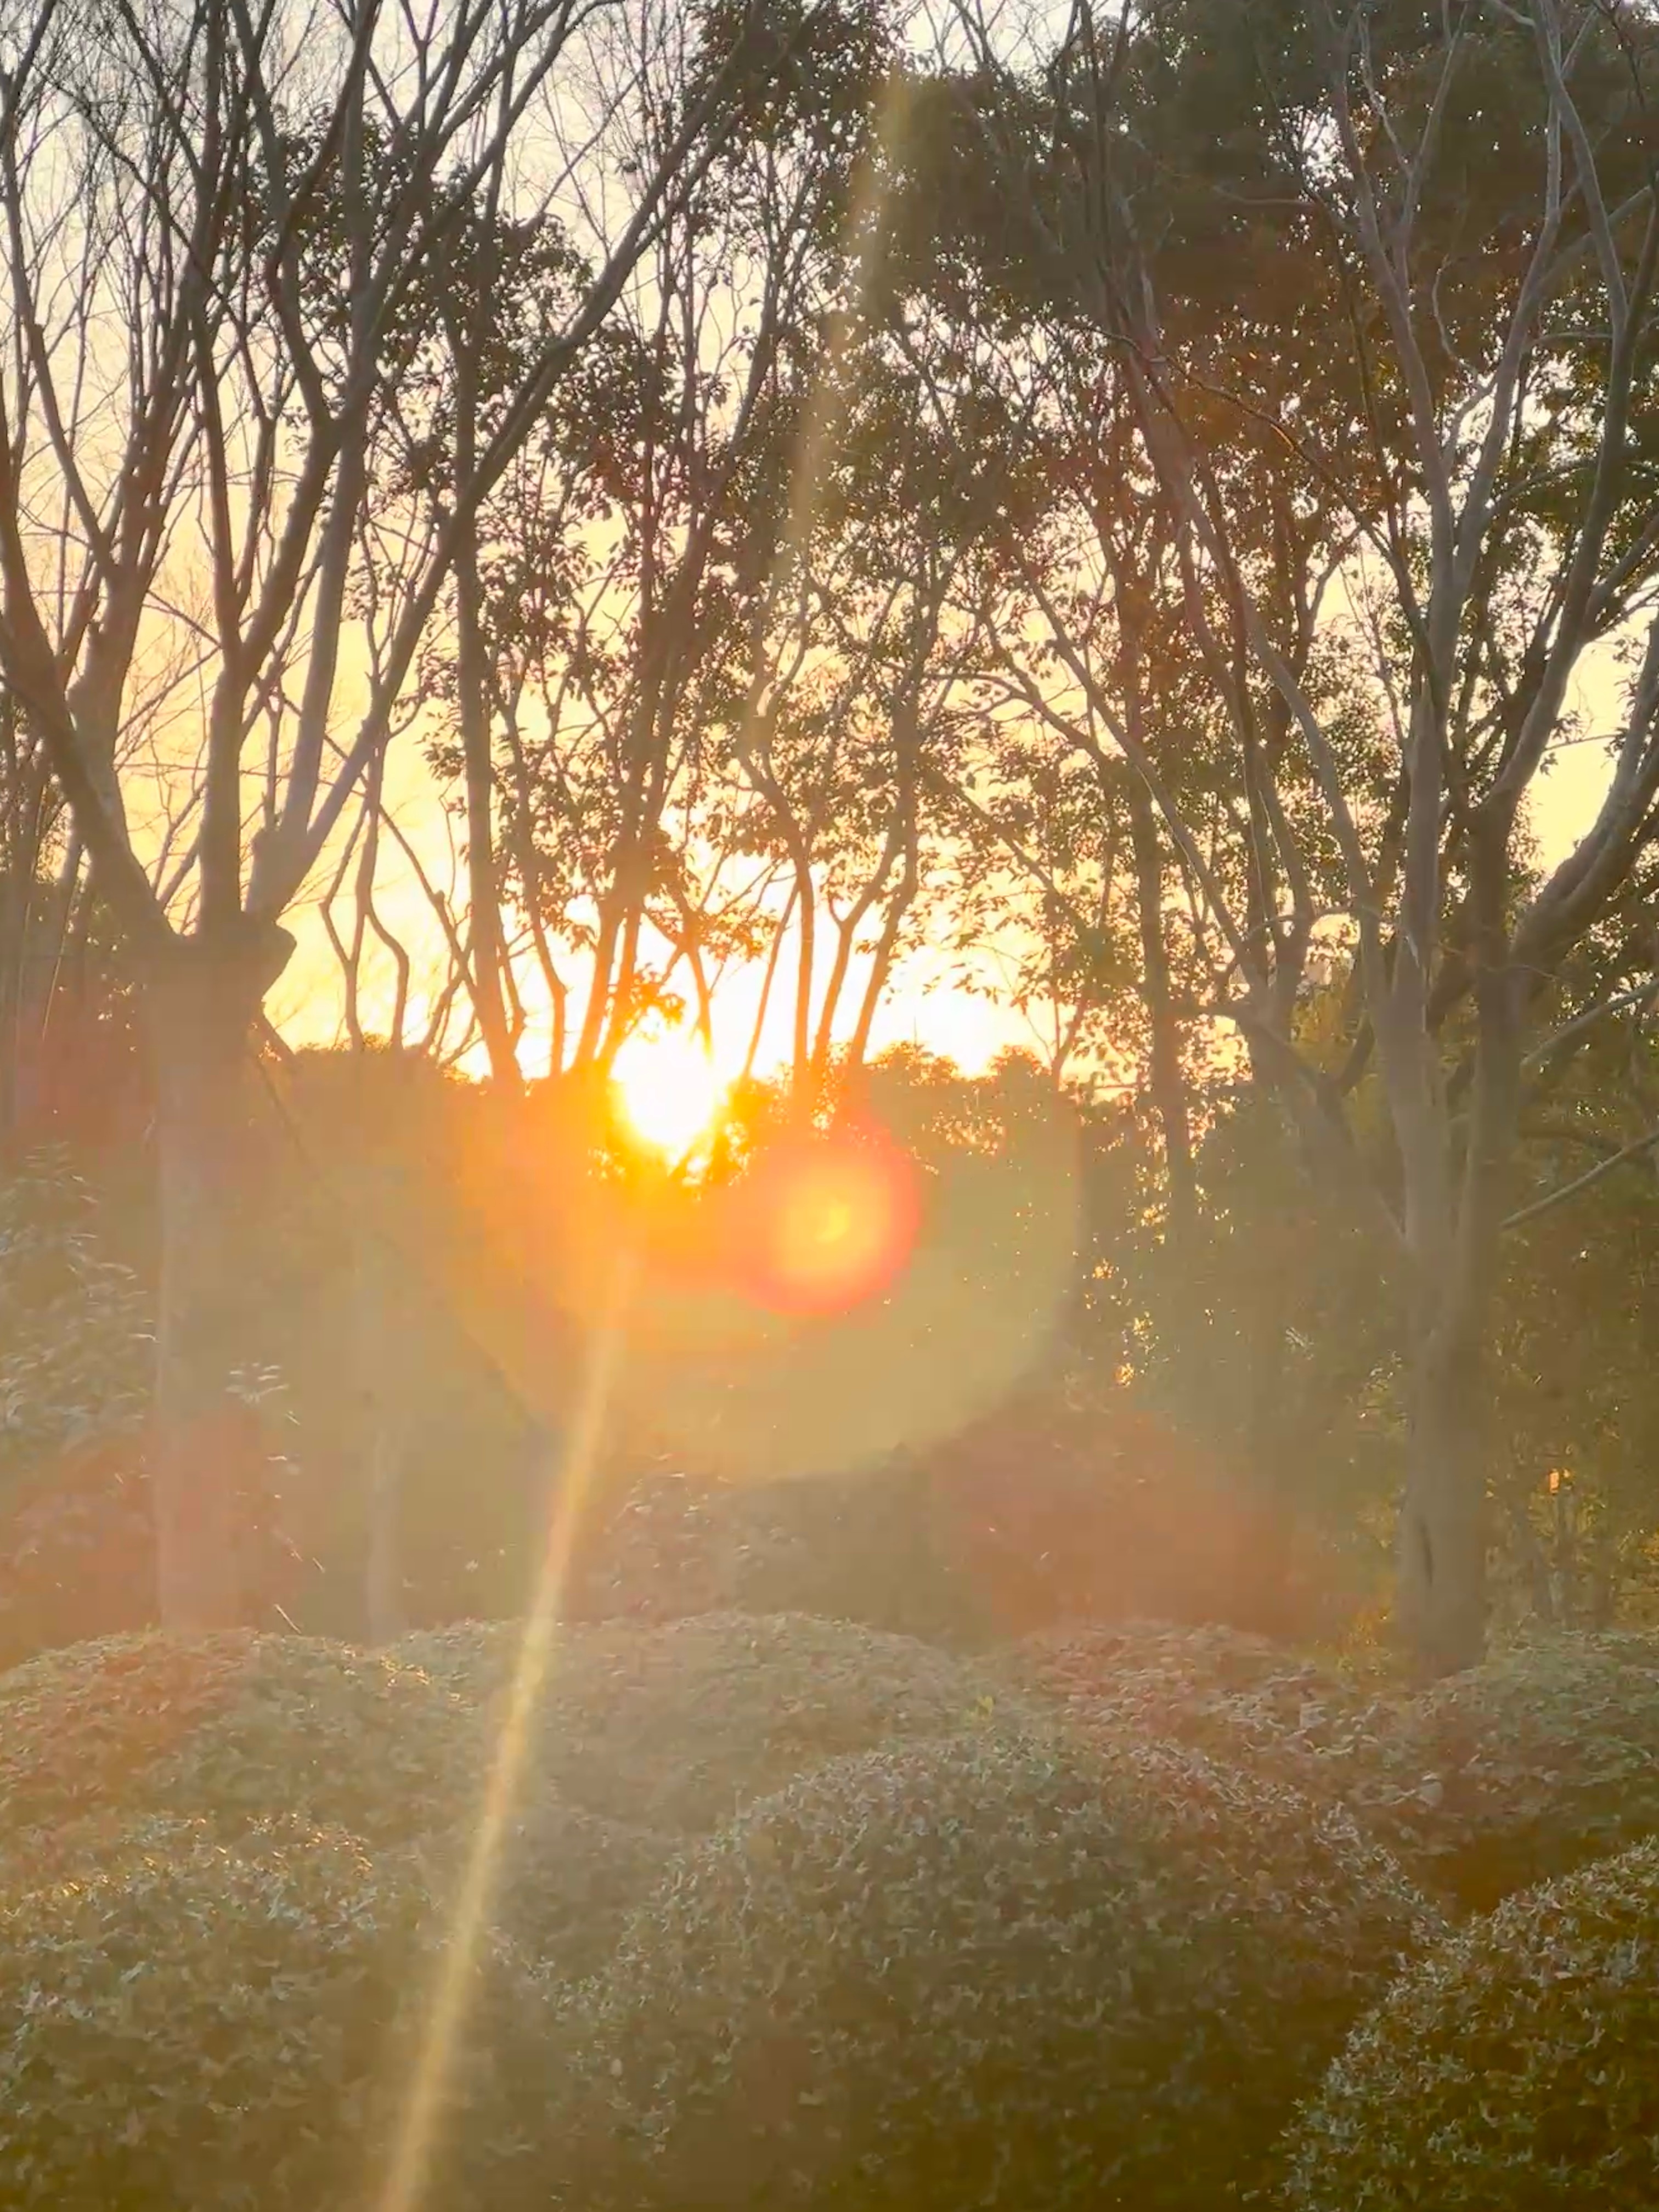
1543 1758
76 1347
673 1728
77 1545
472 1660
187 2025
569 1881
1232 1696
76 1351
994 1972
232 1729
864 1546
1514 2070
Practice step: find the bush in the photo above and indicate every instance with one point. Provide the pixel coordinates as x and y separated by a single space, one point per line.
1544 1757
232 1729
568 1879
673 1728
472 1660
186 2025
1515 2069
1233 1696
76 1342
866 1546
983 1974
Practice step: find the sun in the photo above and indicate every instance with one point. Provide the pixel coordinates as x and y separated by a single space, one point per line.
670 1093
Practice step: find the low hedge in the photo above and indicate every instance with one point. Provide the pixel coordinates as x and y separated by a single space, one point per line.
1233 1696
1516 2069
1543 1758
232 1729
187 2024
673 1728
991 1973
567 1880
472 1660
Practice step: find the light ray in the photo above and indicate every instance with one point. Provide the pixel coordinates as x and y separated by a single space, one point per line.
820 432
826 402
412 2153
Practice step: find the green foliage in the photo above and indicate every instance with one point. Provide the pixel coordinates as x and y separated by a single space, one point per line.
867 1547
1514 2070
994 1972
673 1728
1546 1757
1236 1698
189 2025
233 1730
568 1879
76 1346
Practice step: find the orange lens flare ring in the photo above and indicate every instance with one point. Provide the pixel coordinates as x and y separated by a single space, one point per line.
830 1222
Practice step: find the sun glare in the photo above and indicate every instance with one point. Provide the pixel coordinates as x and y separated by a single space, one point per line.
670 1092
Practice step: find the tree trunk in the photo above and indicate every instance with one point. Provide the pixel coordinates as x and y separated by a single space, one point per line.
383 1353
1443 1531
1166 1076
200 1004
1265 1549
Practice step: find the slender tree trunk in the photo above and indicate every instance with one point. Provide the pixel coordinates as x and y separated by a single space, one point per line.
1268 1428
1444 1535
485 942
14 937
1442 1519
1166 1077
384 1428
201 1002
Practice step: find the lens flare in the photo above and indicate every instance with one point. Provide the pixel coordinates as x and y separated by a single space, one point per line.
830 1223
668 1089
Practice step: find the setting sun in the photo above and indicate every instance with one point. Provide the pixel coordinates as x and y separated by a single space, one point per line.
668 1091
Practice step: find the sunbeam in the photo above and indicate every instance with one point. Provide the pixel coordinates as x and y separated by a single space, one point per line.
826 407
819 433
412 2154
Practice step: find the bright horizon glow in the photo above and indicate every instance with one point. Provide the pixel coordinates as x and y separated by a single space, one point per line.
669 1089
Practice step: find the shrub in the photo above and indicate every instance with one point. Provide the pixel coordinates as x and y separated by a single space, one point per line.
472 1660
990 1973
1514 2070
76 1344
673 1728
1232 1696
187 2025
232 1728
865 1547
1058 1507
1543 1758
569 1879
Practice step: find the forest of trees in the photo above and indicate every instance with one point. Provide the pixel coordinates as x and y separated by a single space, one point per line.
1165 496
